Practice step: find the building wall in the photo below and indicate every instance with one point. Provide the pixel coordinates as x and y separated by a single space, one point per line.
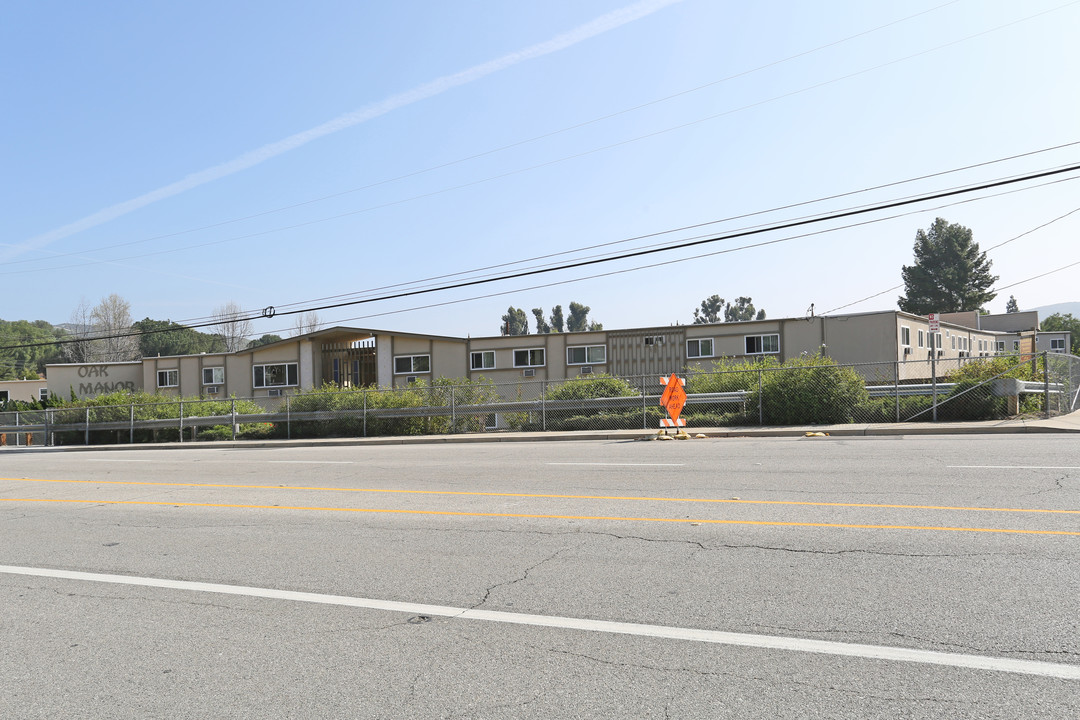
88 380
22 390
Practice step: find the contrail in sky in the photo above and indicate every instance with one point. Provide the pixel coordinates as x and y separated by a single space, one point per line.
600 25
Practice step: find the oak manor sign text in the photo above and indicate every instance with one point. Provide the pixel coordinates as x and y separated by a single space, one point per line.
101 388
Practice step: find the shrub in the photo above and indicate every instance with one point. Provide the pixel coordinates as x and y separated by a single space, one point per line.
809 389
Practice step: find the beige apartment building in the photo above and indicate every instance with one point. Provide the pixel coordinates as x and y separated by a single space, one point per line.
354 357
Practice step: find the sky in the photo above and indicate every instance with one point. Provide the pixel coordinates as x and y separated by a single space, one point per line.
293 156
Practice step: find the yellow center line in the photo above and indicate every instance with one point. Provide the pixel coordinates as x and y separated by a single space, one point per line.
455 513
806 503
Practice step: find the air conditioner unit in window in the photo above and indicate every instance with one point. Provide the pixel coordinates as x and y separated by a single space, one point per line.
528 372
211 389
941 353
273 393
411 379
586 370
907 351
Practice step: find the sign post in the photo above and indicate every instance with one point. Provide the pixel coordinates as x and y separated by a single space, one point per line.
673 399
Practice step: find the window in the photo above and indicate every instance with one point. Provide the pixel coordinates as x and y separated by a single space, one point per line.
1016 345
529 358
43 394
276 375
213 376
922 340
406 364
1001 346
953 342
905 336
168 378
937 342
761 344
654 339
484 360
702 347
1057 345
3 396
586 355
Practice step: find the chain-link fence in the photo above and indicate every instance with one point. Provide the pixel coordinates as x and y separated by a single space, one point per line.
807 391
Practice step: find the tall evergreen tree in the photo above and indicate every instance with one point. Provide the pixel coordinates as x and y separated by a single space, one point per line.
557 322
515 322
1012 306
542 326
950 274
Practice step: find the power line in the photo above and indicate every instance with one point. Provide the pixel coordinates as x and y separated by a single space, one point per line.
271 311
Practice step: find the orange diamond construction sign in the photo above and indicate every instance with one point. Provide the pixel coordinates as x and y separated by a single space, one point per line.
673 399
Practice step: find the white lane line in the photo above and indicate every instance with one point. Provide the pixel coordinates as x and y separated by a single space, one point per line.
1015 467
768 642
620 464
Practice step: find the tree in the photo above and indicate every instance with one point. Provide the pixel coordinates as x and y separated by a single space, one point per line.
79 348
264 340
307 322
1062 322
112 324
515 322
712 307
949 274
1012 306
710 310
542 325
232 326
27 352
164 337
557 322
742 311
579 317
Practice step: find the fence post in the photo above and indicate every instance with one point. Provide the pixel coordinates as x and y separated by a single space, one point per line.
1046 383
543 405
233 419
131 424
365 410
760 399
16 428
453 409
645 410
86 437
181 421
896 388
47 443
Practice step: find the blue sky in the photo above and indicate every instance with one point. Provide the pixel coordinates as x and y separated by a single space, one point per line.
186 155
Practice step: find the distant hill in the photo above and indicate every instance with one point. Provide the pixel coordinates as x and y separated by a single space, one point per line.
1045 311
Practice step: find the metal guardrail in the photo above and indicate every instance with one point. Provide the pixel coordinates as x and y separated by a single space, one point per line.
455 403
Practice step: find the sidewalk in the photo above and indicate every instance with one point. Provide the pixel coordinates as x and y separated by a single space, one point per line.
1063 424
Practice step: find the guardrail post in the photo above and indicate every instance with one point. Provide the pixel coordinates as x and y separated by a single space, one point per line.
181 421
131 424
16 428
365 410
288 417
47 438
234 419
453 409
1046 383
86 435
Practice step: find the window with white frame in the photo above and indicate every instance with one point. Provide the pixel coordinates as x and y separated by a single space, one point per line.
654 339
168 378
1016 344
213 376
4 396
275 375
953 338
482 360
1057 345
530 357
762 344
937 342
905 336
699 348
922 339
586 355
43 394
1000 346
411 364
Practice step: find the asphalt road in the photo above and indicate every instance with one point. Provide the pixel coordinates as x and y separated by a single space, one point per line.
754 578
